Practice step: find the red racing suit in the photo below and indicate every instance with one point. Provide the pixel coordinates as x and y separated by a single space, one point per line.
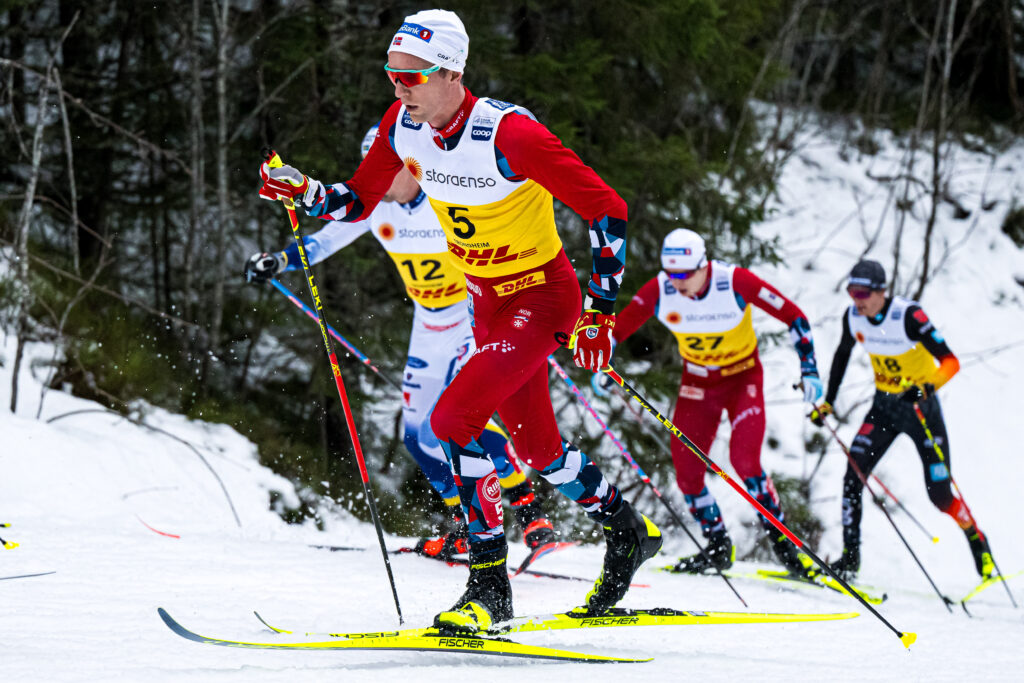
531 297
721 368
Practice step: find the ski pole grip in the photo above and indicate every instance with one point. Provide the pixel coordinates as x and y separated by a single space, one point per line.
272 158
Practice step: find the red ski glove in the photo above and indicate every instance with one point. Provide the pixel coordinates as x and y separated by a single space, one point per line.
591 340
283 182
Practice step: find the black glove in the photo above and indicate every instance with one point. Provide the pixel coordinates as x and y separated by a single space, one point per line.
818 414
261 267
917 394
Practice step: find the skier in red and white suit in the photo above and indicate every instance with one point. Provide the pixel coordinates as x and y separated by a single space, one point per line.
489 170
707 305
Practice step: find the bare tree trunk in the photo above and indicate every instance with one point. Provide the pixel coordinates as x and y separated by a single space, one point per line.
72 187
21 288
905 205
198 166
942 126
22 292
154 241
870 101
223 211
938 138
1011 60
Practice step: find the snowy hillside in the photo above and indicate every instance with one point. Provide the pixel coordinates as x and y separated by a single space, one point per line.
88 494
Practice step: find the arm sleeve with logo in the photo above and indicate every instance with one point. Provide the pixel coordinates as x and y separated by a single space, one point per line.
921 329
524 148
642 306
332 238
839 361
752 289
355 199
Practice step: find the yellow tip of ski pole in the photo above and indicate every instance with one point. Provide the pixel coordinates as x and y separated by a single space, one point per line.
935 539
908 639
10 545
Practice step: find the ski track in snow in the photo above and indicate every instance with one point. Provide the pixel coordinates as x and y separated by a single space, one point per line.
76 490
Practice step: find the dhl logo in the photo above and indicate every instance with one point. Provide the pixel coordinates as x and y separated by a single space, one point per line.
435 292
717 358
490 256
513 286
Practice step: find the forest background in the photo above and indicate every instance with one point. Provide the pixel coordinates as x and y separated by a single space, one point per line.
132 136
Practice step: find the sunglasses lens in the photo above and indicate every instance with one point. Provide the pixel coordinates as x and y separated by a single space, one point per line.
407 78
858 292
685 275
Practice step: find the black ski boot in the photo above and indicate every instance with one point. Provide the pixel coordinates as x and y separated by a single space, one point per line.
982 554
454 540
537 528
487 601
795 562
847 566
719 552
630 540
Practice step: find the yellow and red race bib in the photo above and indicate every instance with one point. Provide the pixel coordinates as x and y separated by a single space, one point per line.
505 237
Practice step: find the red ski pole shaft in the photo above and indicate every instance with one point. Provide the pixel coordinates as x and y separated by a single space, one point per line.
274 161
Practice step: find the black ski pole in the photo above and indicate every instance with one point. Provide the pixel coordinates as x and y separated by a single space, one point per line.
881 504
906 637
274 161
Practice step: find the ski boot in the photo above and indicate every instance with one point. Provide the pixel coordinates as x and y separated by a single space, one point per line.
719 552
795 562
453 541
630 540
487 601
537 528
847 566
982 554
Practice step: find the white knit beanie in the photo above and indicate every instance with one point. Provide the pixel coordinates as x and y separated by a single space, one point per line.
683 250
435 35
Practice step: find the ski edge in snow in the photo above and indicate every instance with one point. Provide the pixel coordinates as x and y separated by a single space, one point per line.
27 576
428 642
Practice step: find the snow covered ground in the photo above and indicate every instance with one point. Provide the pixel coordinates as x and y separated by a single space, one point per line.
80 492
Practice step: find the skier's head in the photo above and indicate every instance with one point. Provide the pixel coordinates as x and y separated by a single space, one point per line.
866 287
426 59
685 261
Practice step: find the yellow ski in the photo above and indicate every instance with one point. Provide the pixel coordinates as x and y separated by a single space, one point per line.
416 640
612 618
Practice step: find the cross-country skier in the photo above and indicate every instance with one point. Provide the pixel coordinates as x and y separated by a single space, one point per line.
707 305
440 343
489 171
911 362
